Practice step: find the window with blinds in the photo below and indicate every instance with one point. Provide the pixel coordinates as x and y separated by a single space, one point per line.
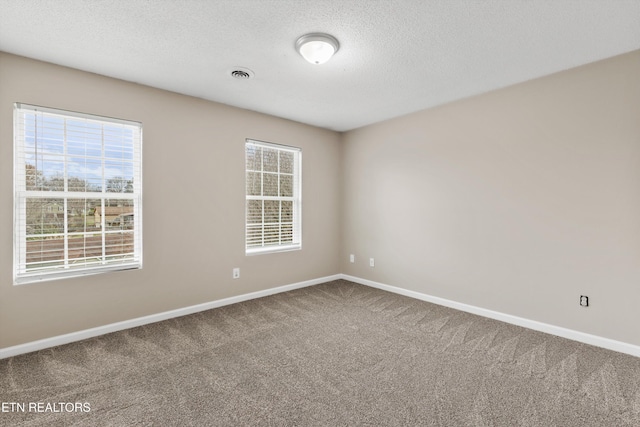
273 197
78 194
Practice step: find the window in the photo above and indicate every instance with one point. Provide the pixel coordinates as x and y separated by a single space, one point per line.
273 205
77 194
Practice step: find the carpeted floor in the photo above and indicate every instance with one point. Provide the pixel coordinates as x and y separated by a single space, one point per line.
336 354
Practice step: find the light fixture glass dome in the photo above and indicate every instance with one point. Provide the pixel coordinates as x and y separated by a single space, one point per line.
317 48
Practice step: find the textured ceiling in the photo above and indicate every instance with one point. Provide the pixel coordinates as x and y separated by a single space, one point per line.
396 56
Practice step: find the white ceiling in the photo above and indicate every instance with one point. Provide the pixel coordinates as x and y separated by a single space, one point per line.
396 56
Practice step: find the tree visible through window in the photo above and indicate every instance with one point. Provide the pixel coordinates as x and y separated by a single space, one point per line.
273 197
77 194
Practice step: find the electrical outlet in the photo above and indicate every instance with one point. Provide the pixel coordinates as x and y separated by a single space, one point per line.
584 301
352 258
236 273
372 263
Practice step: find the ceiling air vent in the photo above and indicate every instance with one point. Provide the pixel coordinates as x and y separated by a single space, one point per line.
241 73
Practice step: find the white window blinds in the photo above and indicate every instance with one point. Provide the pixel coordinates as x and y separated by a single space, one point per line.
273 197
77 194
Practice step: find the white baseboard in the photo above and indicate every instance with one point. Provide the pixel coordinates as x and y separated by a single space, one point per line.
127 324
607 343
595 340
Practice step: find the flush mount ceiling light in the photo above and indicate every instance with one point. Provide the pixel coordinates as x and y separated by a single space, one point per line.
317 48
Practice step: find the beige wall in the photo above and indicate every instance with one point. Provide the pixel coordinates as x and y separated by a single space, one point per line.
519 200
193 160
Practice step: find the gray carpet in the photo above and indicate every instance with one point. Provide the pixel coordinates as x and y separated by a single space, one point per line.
336 354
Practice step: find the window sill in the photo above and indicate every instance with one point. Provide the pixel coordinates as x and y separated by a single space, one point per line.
272 249
68 274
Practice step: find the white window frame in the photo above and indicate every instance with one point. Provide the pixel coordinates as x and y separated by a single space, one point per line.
296 243
23 272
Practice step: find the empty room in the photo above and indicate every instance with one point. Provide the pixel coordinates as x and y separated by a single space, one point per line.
320 213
